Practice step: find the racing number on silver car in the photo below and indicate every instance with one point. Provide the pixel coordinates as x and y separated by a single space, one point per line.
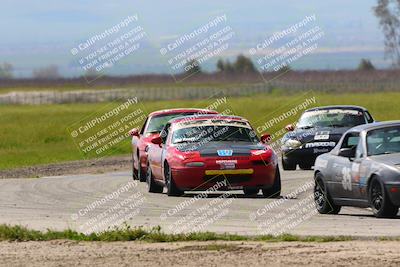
346 178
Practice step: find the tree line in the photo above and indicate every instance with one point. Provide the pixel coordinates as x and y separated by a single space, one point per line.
241 65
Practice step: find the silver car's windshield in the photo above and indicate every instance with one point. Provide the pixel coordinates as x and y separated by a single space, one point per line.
383 141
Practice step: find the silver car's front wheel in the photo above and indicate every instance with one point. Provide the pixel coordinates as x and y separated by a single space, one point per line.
322 199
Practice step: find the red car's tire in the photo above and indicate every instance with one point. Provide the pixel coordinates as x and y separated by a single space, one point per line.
142 176
172 189
134 171
250 191
152 186
275 190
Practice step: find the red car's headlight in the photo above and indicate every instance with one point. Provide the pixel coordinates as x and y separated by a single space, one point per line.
261 156
261 152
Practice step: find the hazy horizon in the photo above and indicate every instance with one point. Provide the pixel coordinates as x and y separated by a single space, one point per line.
37 35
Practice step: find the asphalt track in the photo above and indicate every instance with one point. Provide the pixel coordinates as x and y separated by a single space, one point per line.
94 202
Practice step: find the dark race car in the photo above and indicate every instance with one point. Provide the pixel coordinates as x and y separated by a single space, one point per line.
362 170
154 123
317 132
196 153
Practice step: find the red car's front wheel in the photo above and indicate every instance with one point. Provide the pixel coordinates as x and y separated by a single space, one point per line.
275 190
152 187
172 189
134 171
140 173
250 191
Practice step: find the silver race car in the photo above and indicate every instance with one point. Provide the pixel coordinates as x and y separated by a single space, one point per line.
363 170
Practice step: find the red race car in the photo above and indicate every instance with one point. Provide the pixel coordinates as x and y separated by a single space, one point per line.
197 153
154 123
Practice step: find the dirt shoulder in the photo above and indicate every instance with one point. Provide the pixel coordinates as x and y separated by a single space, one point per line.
219 253
110 164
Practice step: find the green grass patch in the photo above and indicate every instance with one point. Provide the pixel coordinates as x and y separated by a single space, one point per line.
32 135
126 233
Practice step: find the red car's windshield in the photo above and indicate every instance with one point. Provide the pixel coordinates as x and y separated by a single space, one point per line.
213 133
157 123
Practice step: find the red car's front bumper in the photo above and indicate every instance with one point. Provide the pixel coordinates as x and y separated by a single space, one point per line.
257 174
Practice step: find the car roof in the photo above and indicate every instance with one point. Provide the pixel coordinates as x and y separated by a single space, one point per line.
207 117
182 110
337 107
374 125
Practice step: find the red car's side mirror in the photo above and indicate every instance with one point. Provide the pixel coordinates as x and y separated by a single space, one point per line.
289 127
265 138
134 132
157 140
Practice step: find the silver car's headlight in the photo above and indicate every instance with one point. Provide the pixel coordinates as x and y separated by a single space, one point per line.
292 143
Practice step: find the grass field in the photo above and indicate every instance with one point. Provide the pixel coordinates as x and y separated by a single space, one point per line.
33 135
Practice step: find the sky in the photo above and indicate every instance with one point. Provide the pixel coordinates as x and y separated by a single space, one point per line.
38 33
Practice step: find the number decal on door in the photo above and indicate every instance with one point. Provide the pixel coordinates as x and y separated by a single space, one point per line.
346 178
